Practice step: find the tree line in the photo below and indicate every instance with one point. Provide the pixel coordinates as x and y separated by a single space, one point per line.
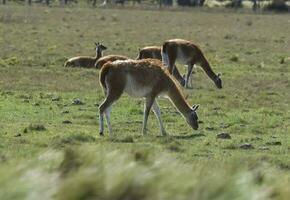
279 5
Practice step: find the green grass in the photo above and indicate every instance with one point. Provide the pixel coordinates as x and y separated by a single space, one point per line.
44 156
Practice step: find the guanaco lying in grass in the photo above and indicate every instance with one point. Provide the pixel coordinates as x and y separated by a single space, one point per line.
86 61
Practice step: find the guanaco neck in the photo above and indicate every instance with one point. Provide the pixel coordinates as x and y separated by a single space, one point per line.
99 54
206 67
178 100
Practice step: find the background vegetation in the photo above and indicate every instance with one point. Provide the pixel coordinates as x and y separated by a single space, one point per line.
49 146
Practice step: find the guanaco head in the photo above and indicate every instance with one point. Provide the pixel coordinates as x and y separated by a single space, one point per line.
139 54
218 82
100 47
192 118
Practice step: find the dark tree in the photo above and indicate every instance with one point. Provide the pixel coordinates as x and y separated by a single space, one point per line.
167 2
94 3
184 3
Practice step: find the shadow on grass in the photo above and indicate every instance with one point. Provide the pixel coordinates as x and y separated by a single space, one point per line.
78 138
188 137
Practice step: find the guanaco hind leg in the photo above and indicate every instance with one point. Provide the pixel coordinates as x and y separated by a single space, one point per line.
105 107
188 76
147 106
169 61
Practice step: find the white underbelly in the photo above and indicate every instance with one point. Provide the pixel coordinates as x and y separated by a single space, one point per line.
134 89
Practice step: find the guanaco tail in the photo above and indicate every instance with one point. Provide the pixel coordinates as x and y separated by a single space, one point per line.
155 52
86 61
146 78
190 54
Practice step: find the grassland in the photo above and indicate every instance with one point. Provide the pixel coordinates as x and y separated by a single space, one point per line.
50 149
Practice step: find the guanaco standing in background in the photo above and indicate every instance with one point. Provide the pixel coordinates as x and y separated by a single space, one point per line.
155 52
190 54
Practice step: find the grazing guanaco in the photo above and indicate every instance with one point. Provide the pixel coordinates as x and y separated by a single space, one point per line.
189 54
110 58
155 52
146 78
86 61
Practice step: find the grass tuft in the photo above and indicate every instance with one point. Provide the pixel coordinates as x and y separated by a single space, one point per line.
35 127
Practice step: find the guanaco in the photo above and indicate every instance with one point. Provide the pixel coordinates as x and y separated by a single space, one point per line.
109 58
86 61
155 52
189 54
147 78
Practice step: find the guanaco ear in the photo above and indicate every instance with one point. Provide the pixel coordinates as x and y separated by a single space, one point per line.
97 43
219 75
195 107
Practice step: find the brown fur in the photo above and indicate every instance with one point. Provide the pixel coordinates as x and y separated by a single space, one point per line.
155 52
147 78
81 61
86 61
192 55
110 58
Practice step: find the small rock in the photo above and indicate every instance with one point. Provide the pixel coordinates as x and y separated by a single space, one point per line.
264 148
285 60
65 112
223 136
209 128
66 122
235 58
17 135
36 127
246 146
55 99
35 104
222 125
200 121
77 102
274 143
261 65
3 158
